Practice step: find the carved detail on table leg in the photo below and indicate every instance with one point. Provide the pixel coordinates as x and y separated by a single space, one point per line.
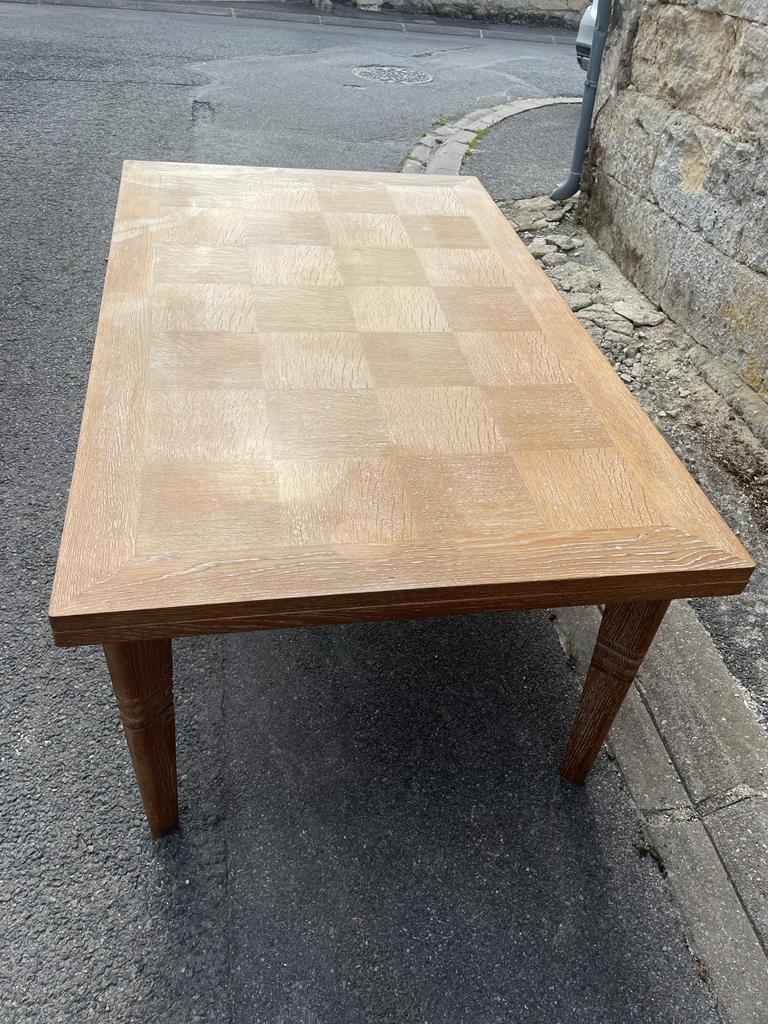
626 632
142 678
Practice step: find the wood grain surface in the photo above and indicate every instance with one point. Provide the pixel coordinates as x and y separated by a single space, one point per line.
141 675
626 632
323 396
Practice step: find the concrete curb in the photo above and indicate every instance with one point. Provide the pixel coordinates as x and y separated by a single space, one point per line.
695 760
228 9
443 148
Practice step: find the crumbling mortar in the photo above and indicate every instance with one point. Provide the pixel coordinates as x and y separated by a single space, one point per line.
720 801
683 812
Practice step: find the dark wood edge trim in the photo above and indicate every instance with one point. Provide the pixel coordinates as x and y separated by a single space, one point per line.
246 616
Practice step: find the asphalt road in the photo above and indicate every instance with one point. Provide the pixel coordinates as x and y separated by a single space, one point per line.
374 828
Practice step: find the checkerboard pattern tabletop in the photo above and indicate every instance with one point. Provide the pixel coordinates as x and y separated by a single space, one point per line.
292 364
335 364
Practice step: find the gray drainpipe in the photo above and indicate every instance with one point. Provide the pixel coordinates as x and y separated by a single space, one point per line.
572 183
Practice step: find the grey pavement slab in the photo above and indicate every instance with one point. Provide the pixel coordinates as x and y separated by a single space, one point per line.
740 833
714 738
721 933
448 158
393 785
528 154
646 765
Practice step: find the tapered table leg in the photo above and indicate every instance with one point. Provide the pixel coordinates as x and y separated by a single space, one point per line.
142 677
625 634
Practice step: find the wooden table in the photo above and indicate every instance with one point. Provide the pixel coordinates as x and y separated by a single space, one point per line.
323 397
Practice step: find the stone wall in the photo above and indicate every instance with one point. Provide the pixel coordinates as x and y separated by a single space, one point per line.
676 184
539 12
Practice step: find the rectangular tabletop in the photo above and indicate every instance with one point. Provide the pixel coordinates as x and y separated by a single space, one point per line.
320 396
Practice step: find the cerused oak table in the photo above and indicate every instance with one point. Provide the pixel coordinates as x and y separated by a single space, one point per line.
322 397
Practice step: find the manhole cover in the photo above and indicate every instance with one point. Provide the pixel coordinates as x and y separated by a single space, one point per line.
387 73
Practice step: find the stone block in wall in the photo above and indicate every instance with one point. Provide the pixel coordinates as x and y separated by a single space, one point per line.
634 232
737 180
750 10
703 64
753 249
617 57
739 169
630 128
576 6
717 299
700 176
677 179
751 74
706 181
722 301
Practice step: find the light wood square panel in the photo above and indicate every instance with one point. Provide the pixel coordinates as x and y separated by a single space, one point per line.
436 486
199 360
316 424
367 231
212 425
478 309
397 310
332 501
444 232
431 359
426 201
250 227
231 507
180 226
440 420
246 308
244 191
509 358
545 416
361 198
321 396
283 228
312 361
376 267
311 266
462 268
203 308
202 264
585 489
